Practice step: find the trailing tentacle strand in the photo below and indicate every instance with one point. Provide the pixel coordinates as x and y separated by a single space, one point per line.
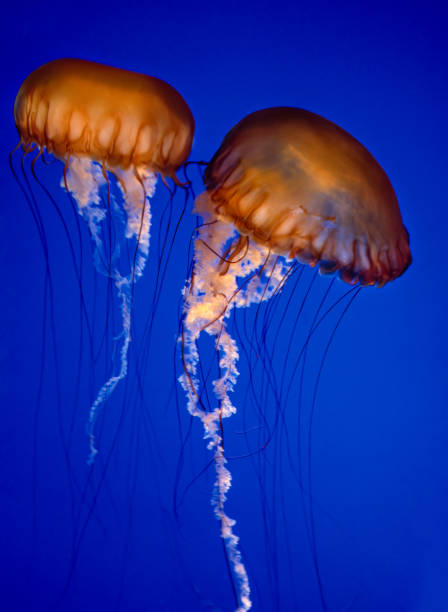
210 295
84 179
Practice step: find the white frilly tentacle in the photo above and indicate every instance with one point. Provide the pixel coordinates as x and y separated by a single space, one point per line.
84 180
209 298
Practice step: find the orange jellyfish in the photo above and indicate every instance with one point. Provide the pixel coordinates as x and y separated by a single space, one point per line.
104 122
285 184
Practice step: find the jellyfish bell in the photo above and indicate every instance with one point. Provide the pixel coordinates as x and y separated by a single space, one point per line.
285 185
304 187
103 122
74 107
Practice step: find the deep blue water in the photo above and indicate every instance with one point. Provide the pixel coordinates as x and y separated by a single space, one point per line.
137 532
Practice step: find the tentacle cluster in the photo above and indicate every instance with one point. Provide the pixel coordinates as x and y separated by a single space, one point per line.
85 179
221 258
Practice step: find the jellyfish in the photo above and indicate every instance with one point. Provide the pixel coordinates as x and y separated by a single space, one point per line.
107 125
285 185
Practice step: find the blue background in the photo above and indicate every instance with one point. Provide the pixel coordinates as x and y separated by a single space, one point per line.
137 531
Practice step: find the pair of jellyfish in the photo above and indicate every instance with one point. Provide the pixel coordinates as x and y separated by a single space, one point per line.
285 185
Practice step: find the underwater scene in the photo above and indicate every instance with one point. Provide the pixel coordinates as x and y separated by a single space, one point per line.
224 375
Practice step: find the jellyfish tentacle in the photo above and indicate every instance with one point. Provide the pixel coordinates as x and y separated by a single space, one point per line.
229 271
84 179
